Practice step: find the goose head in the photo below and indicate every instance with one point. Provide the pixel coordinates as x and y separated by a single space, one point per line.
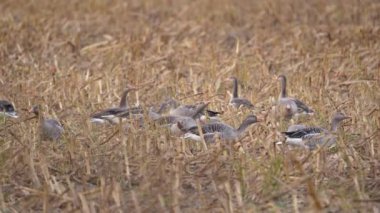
337 118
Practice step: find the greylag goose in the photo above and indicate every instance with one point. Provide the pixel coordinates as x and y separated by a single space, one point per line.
113 114
7 109
186 110
291 105
311 137
296 127
50 129
224 131
236 101
172 121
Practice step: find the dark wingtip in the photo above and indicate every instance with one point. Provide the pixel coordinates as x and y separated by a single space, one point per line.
287 133
212 113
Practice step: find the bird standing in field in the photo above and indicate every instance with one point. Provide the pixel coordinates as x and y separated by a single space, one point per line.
289 105
176 109
7 109
50 129
178 124
237 101
113 114
312 137
224 131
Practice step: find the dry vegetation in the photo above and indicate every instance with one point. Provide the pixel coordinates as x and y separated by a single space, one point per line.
75 57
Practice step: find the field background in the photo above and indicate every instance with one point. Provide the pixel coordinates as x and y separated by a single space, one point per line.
76 57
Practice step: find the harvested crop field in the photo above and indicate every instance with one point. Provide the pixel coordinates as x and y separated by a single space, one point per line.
74 58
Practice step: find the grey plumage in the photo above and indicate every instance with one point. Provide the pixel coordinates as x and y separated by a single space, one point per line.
113 115
176 109
50 129
224 131
292 106
312 137
178 124
237 101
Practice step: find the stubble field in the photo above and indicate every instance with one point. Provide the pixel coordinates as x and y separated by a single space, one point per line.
76 57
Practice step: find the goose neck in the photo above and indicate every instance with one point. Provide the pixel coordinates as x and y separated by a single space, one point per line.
244 125
235 88
335 125
283 87
123 100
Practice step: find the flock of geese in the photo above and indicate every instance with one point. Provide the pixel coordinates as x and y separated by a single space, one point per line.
196 122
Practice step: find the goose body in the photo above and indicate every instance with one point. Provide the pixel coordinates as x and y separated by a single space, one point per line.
224 131
312 137
291 106
113 115
237 101
188 110
50 129
7 109
178 124
296 127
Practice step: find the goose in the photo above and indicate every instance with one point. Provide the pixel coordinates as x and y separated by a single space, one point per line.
178 124
50 129
236 101
7 109
296 127
224 131
291 105
113 114
311 137
187 109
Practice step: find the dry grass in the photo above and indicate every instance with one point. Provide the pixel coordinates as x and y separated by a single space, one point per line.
75 57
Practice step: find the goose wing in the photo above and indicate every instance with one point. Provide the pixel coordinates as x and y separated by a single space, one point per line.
211 128
126 113
166 120
183 110
301 107
208 137
312 141
110 112
213 113
300 133
239 102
